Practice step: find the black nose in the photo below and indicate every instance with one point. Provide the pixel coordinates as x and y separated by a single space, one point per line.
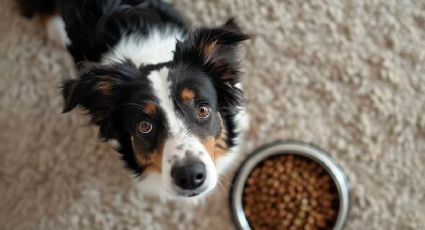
190 175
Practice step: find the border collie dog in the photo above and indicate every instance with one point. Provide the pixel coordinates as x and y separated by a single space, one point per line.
166 94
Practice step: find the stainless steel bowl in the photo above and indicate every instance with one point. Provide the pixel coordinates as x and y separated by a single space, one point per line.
295 148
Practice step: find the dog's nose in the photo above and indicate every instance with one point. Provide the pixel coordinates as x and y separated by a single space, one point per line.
190 175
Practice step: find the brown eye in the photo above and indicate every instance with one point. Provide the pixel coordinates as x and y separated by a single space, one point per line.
145 127
203 112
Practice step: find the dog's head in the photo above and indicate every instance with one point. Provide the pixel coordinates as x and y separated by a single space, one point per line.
175 119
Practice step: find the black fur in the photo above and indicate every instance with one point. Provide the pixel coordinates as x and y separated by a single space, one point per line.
194 79
29 8
119 109
221 66
94 26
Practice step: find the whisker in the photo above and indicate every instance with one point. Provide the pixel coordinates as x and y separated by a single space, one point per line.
226 180
220 185
223 182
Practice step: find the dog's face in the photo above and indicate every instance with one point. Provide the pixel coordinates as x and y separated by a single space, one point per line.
174 119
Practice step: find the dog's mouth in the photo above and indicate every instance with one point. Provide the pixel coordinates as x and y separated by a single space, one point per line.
191 193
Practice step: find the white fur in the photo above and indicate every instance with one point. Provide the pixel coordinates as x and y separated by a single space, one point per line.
154 48
114 143
161 89
56 31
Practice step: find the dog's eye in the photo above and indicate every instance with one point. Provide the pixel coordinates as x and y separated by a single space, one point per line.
203 112
145 126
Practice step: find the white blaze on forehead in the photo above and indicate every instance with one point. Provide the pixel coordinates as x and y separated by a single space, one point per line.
162 90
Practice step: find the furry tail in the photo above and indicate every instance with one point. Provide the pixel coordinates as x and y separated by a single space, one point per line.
29 8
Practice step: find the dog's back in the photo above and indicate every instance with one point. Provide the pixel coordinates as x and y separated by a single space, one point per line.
93 27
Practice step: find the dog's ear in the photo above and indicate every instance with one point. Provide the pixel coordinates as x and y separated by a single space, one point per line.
94 90
215 49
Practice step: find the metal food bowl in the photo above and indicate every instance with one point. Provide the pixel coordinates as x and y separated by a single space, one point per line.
297 149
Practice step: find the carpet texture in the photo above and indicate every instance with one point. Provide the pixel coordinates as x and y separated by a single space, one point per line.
344 75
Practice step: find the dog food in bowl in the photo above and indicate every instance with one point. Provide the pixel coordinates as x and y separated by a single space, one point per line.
290 192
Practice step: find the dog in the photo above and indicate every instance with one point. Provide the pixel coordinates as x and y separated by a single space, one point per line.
168 95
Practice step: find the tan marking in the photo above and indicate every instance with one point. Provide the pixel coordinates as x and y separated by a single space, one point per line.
209 144
216 146
149 165
104 87
45 19
149 108
221 147
187 94
210 48
152 163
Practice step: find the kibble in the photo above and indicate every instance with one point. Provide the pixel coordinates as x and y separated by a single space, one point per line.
290 192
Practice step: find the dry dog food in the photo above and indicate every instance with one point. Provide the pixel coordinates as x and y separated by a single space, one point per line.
290 192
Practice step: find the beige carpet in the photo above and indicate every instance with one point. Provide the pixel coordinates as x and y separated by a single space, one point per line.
345 75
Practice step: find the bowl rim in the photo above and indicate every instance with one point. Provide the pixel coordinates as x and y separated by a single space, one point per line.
293 147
